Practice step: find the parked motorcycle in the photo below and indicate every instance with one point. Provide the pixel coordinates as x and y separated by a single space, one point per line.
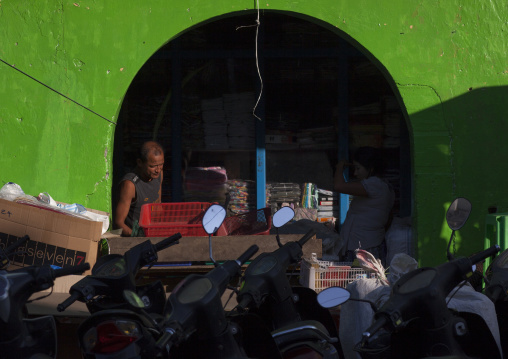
194 323
20 336
297 322
114 273
416 321
497 291
10 251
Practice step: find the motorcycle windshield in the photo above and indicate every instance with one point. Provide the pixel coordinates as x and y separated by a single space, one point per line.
194 291
264 265
418 281
113 268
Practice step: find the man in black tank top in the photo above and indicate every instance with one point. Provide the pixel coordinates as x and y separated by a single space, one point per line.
141 186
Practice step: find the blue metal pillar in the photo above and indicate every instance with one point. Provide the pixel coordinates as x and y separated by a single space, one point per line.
260 130
260 165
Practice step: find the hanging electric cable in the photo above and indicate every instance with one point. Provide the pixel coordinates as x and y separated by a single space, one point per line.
52 89
257 62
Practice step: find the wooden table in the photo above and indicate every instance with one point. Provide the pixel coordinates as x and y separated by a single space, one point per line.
191 255
195 249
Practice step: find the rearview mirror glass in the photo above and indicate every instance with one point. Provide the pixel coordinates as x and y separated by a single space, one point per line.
282 216
213 218
458 213
332 297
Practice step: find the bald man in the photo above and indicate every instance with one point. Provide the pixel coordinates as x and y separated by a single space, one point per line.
141 186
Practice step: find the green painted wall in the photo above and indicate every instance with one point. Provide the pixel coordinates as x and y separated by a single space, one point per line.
446 60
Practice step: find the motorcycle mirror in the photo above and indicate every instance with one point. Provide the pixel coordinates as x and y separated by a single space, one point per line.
133 299
332 297
213 218
282 216
456 216
458 213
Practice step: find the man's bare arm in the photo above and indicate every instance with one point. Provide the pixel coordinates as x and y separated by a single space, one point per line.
160 189
127 195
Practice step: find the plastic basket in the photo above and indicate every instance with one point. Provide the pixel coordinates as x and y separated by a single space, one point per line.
166 219
323 274
253 222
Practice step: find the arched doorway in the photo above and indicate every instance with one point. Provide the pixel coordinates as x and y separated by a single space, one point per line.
321 99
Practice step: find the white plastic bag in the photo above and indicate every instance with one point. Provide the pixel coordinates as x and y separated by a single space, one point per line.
98 218
400 265
399 238
77 208
10 191
46 198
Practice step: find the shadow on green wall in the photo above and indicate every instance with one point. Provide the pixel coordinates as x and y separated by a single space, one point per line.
462 158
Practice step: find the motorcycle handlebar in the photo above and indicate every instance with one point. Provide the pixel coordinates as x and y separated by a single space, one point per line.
373 329
167 242
245 302
66 303
72 270
478 257
247 254
306 237
164 340
11 250
16 244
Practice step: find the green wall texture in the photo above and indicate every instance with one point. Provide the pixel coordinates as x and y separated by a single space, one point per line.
66 66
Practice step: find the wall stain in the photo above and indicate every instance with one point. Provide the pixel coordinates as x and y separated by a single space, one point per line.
78 62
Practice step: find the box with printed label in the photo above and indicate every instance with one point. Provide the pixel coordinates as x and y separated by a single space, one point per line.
56 238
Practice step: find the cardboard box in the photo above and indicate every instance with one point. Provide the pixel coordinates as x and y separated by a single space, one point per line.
278 139
55 238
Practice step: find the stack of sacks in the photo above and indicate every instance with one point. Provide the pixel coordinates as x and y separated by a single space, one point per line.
242 196
283 194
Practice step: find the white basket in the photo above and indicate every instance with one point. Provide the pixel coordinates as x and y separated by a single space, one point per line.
323 274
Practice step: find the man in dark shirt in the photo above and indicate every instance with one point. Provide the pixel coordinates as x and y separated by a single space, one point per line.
139 187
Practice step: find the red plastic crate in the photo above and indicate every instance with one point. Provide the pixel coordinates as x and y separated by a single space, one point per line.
336 276
166 219
253 222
